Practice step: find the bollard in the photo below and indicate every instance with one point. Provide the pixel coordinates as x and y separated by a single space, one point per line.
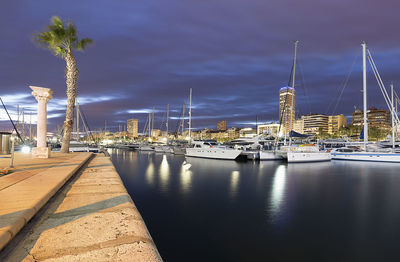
12 154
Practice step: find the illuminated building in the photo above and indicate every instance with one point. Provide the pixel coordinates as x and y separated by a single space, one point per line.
286 108
336 122
314 122
132 126
221 125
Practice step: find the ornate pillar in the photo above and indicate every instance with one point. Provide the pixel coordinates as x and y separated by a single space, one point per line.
42 95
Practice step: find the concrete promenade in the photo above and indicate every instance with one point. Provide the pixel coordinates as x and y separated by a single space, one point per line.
91 219
31 184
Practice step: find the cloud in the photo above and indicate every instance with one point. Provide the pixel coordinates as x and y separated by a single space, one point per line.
235 55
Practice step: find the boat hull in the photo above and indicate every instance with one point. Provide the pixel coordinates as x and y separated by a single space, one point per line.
163 149
179 150
146 148
214 153
367 156
269 155
296 157
251 155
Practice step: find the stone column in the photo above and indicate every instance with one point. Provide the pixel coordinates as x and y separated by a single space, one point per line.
42 95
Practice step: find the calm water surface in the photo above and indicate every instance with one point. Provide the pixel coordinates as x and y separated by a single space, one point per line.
221 210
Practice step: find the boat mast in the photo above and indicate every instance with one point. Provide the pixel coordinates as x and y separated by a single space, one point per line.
392 111
293 78
182 125
77 121
190 115
152 121
30 126
23 122
167 119
149 127
364 49
17 118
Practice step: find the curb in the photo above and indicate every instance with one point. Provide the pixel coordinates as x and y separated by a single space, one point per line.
22 211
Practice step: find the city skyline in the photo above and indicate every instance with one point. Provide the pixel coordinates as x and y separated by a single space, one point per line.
236 56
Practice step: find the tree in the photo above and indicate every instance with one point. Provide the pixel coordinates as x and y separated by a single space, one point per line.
61 40
322 134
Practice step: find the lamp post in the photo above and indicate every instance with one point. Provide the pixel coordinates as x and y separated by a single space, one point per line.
12 152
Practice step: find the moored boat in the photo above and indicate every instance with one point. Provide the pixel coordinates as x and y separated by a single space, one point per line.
304 153
146 148
269 155
211 149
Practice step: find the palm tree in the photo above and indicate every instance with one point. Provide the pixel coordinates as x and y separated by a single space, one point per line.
61 40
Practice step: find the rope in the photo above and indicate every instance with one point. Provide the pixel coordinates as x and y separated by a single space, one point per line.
19 136
345 84
303 85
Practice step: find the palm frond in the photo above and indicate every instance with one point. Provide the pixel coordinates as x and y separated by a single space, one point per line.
82 44
59 39
70 33
56 22
58 51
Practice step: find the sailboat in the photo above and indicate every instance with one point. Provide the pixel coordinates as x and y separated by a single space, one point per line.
292 152
179 147
164 148
365 153
149 129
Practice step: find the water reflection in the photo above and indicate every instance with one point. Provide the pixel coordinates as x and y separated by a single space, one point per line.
150 171
164 172
301 203
185 177
278 190
234 183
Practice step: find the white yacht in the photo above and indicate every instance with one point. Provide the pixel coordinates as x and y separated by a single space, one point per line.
269 155
77 146
163 149
303 153
347 153
179 150
146 147
365 153
211 149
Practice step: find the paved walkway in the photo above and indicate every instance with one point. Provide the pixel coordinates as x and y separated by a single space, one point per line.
31 184
92 219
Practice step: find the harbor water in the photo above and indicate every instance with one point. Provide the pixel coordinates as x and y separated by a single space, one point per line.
218 210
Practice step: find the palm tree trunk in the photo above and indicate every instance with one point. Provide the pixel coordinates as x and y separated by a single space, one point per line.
71 76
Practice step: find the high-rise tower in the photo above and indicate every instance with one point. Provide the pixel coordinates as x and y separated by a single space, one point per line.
286 108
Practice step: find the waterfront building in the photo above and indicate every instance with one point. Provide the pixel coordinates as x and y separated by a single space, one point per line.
248 132
233 133
336 122
155 132
299 125
271 129
286 108
313 123
379 118
357 118
132 126
208 133
376 118
221 125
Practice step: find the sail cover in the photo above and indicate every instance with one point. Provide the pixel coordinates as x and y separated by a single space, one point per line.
295 134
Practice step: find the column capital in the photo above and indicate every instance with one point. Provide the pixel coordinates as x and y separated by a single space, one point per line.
41 93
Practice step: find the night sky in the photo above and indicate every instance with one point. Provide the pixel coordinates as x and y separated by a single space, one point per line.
235 55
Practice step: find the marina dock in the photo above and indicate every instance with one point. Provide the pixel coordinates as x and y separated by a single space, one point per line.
70 207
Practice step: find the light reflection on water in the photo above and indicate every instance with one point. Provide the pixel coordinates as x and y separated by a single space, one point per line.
278 190
278 208
185 178
234 183
164 172
150 171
